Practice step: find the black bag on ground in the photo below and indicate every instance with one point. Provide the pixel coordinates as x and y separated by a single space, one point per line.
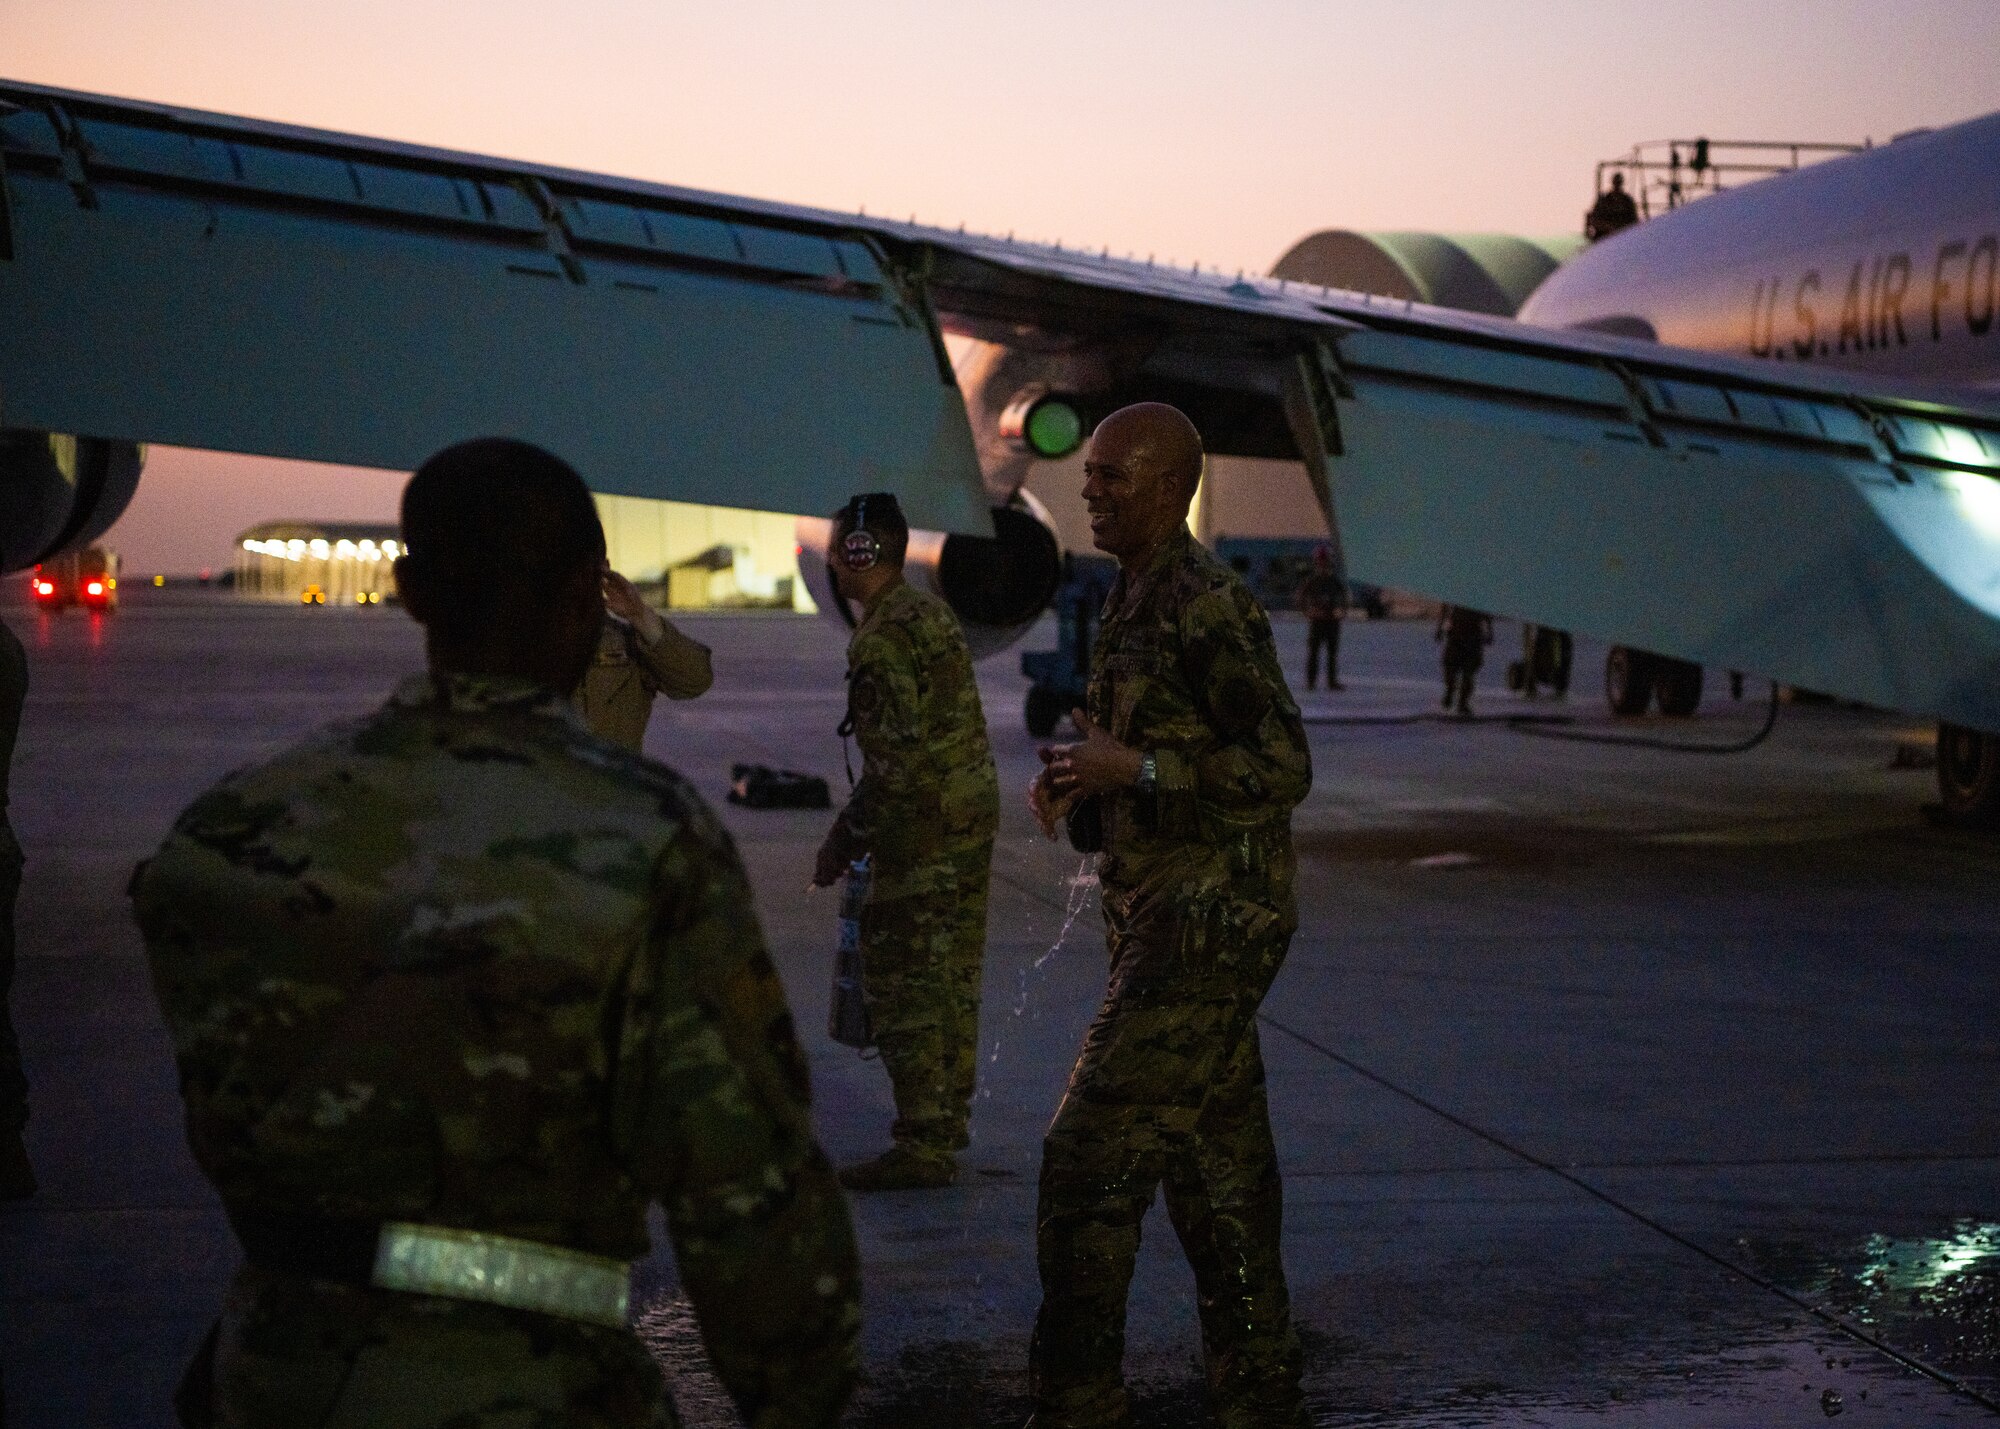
758 786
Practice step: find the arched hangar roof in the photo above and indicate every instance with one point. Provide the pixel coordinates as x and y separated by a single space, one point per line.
1473 272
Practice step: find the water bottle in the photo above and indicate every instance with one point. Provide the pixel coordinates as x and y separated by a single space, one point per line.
847 1012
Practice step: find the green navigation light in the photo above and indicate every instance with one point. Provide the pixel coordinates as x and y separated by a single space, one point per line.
1054 429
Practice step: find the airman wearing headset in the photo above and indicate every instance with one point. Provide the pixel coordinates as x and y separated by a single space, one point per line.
925 811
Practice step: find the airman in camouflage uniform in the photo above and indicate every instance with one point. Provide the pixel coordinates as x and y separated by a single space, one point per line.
17 1176
461 966
925 809
1193 758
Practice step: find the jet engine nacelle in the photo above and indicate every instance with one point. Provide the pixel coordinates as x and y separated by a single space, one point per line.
1043 424
59 492
996 585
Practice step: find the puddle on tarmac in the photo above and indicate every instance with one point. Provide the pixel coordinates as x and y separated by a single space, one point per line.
1936 1298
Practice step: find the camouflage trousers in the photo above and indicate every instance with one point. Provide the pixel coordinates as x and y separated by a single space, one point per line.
922 948
293 1353
1169 1088
13 1082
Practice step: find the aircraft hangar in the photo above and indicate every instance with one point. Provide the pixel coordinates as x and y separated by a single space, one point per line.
1489 273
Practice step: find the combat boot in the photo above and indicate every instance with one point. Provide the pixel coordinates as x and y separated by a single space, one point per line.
901 1168
17 1177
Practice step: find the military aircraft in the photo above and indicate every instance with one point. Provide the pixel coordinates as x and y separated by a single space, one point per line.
1882 261
212 282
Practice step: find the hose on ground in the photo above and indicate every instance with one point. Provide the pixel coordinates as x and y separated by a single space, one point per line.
1546 726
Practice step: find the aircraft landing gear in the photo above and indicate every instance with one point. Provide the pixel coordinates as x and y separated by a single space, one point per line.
1968 770
1628 680
1677 686
1633 679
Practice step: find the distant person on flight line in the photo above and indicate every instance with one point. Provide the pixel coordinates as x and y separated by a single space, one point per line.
1323 598
1546 657
1613 211
1466 633
639 655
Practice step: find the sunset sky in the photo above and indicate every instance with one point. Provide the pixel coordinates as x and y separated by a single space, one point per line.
1222 132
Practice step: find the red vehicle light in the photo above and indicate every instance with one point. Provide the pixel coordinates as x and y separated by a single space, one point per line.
95 588
45 588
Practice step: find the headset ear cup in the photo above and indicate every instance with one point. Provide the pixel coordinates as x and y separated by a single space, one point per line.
860 550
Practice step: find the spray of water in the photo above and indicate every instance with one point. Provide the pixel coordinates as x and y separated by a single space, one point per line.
1081 886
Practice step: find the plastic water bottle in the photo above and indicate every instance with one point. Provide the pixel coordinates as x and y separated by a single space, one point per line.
847 1012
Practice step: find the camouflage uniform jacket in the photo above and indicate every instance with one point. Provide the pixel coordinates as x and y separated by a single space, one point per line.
927 783
462 963
1186 671
616 696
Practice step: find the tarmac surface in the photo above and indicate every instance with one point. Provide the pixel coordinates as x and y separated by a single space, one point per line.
1610 1084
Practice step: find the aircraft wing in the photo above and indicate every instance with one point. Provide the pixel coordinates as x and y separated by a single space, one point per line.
211 282
218 282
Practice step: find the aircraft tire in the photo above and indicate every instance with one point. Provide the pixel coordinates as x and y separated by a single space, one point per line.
1044 708
1628 679
1968 770
1677 683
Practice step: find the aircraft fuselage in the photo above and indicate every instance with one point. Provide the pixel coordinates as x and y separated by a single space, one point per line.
1887 261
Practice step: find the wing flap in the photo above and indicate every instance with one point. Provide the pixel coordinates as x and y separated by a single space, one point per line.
228 291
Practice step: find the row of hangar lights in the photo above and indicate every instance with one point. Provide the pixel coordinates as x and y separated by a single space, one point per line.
320 549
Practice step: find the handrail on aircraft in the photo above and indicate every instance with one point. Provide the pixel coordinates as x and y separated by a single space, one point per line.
1689 168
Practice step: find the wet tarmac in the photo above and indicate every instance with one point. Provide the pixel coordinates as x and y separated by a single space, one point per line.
1612 1086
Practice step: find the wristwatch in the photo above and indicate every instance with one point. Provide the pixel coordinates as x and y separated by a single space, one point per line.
1149 775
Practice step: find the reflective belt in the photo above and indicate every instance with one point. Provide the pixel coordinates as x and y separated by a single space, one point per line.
500 1270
